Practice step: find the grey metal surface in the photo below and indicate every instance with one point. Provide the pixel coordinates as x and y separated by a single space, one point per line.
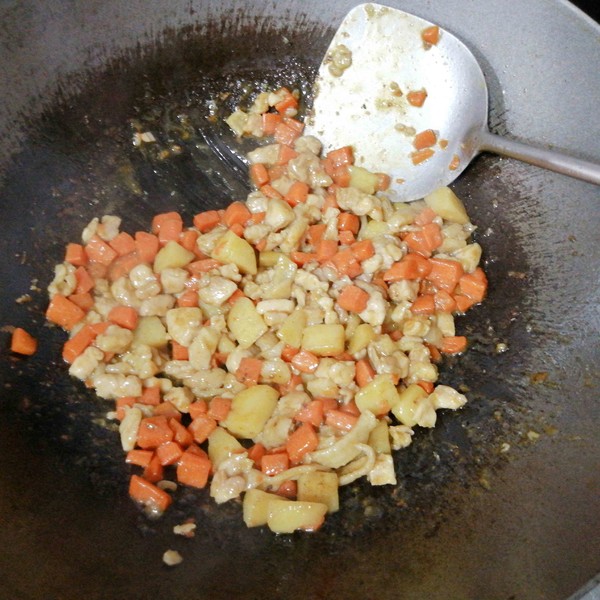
480 524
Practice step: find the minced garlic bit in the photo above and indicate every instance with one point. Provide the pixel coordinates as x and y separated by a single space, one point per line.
185 529
172 558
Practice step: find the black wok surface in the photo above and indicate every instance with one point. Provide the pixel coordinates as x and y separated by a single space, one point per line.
466 520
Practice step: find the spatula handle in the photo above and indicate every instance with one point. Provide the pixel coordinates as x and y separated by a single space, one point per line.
567 165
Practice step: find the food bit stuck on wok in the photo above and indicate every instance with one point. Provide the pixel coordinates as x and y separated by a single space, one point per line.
279 348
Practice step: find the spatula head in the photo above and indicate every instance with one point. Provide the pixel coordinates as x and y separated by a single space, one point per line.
367 105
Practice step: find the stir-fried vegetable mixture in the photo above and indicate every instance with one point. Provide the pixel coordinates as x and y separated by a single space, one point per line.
279 348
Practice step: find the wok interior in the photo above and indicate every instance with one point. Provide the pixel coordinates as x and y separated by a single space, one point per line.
69 526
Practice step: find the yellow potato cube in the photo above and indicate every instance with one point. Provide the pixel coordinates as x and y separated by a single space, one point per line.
408 399
324 340
287 517
250 410
172 256
291 329
362 336
379 438
255 507
221 444
245 323
151 332
233 249
363 180
378 396
447 205
320 486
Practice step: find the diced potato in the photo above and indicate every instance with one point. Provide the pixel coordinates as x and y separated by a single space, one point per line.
283 274
469 256
221 444
447 205
320 486
233 249
172 256
404 408
373 229
245 323
324 339
250 410
378 396
150 331
237 121
287 517
226 345
291 329
362 336
379 439
255 507
363 180
269 258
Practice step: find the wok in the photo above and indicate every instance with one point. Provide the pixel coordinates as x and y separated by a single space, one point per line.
466 519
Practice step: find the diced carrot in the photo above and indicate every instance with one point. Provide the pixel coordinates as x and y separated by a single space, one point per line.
411 267
153 432
311 413
425 139
140 458
169 453
258 217
346 263
179 352
161 218
423 305
170 230
207 220
147 246
193 469
474 285
353 299
289 352
344 356
305 361
121 403
426 385
272 464
204 265
63 312
350 408
427 215
124 316
444 302
261 245
123 244
302 258
198 408
256 452
419 243
259 174
300 442
219 408
295 124
76 255
75 346
288 489
348 222
364 372
435 354
463 303
288 100
285 134
341 156
85 282
326 249
181 435
235 296
329 404
236 212
419 156
23 342
154 471
297 194
167 409
98 270
98 250
122 265
188 239
340 420
340 176
150 395
85 301
383 182
346 238
277 171
416 97
454 344
433 235
315 233
148 494
363 249
291 385
445 274
454 163
270 122
443 144
249 370
188 298
201 427
329 201
285 154
270 192
431 35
